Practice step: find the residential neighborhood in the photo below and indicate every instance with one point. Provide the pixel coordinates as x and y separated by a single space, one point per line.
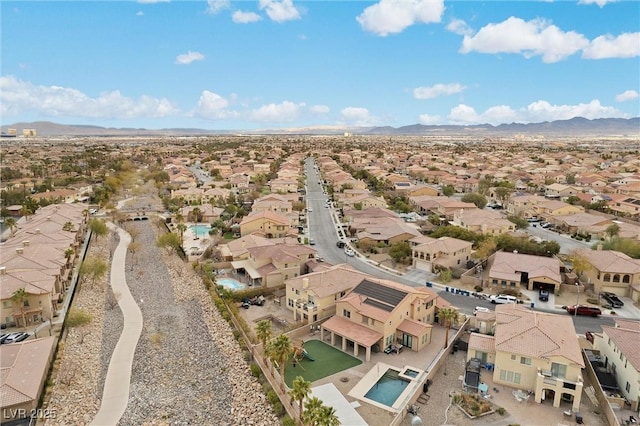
513 266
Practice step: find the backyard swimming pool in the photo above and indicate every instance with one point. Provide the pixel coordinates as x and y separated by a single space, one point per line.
200 230
388 388
230 284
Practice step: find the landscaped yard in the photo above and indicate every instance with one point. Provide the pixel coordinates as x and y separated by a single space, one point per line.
328 361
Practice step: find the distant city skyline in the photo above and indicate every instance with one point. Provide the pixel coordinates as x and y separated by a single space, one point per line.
273 64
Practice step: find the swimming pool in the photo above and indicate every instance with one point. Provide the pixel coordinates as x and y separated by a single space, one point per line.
388 388
200 230
230 284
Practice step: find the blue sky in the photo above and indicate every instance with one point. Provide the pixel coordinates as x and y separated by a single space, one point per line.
287 64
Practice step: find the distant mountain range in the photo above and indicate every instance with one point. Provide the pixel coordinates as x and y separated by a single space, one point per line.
574 127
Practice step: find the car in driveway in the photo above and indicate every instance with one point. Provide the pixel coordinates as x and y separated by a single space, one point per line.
612 299
592 311
15 337
543 295
349 252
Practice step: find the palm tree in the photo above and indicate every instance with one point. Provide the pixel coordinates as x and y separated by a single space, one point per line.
19 297
326 416
449 316
181 229
279 350
264 332
311 411
301 389
197 214
11 223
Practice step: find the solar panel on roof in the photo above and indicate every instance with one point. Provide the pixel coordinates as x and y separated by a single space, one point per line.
386 295
378 304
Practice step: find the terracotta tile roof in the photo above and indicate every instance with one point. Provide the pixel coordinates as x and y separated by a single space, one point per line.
482 342
508 266
333 280
352 331
413 327
626 336
612 261
22 367
534 334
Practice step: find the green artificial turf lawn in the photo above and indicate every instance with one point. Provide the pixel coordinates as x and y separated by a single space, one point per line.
328 361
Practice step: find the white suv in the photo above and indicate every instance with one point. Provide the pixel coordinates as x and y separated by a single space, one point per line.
503 298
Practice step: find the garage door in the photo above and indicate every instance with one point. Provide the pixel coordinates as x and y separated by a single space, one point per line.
620 292
423 265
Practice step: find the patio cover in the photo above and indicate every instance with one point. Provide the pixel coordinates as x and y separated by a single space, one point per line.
331 396
358 333
246 265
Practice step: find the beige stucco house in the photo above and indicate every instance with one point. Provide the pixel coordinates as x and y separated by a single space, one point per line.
378 313
533 351
515 270
446 252
612 271
266 223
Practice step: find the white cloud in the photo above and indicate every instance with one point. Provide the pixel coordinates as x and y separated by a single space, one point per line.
140 13
280 11
437 90
625 45
213 107
319 109
216 6
429 119
458 26
627 95
600 3
281 113
187 58
240 17
532 38
17 96
533 113
357 116
394 16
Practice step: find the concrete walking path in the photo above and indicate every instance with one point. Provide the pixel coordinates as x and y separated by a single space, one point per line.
115 396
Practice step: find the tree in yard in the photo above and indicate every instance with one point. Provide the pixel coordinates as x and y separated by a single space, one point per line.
68 226
473 197
326 416
68 253
612 230
98 228
19 297
400 251
445 275
170 242
181 227
579 263
485 249
301 390
520 222
503 193
264 332
79 319
279 350
449 316
92 269
311 411
448 190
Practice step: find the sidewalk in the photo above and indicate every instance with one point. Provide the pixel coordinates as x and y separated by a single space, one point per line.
115 397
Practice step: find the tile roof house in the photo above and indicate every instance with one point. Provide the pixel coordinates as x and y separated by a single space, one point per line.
618 347
377 313
382 230
515 270
446 252
612 271
268 224
533 351
23 371
482 221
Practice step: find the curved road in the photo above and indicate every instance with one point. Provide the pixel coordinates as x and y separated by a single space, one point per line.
115 396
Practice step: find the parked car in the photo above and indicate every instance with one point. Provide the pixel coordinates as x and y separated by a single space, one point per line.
312 242
612 299
543 295
349 252
15 337
503 298
340 244
593 311
480 309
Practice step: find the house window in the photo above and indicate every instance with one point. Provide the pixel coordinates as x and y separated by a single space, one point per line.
26 303
513 357
6 304
626 279
290 302
607 277
510 376
494 281
429 304
558 370
365 320
346 313
297 292
525 361
616 278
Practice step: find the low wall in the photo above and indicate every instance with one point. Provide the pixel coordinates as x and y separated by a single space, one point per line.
603 402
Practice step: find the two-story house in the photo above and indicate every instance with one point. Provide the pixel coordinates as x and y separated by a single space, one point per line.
446 252
266 223
378 313
618 348
612 271
533 351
